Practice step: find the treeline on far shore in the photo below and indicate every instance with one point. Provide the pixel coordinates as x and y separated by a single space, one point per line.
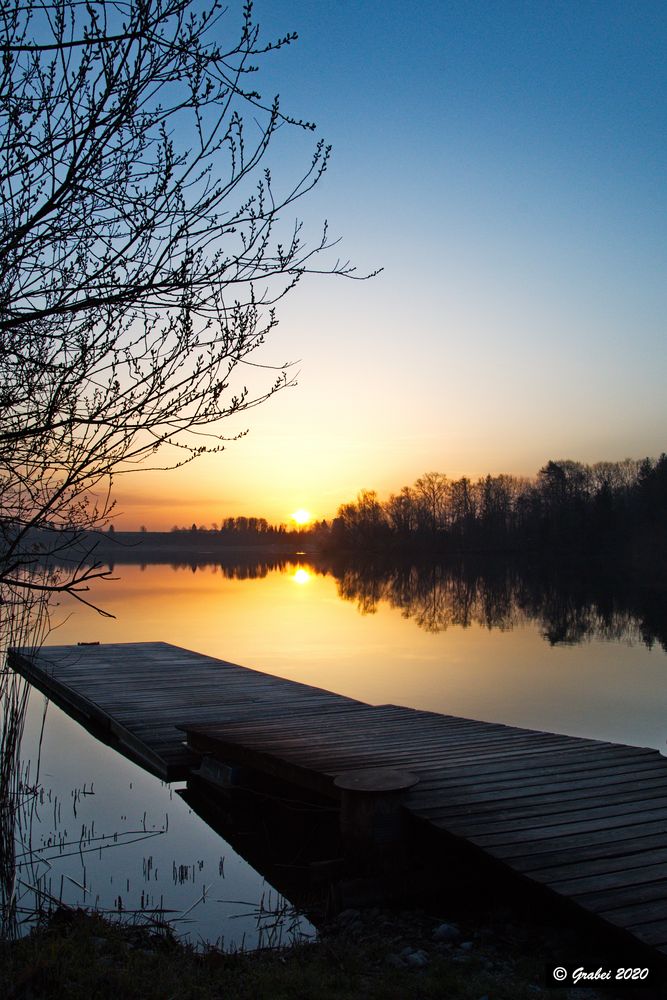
233 532
567 502
567 506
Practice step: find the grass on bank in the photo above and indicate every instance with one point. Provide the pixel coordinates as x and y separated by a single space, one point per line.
78 955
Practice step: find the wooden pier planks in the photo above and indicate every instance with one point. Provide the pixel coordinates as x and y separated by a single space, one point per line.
135 695
584 818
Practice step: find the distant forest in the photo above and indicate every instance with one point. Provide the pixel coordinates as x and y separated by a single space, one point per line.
248 529
567 505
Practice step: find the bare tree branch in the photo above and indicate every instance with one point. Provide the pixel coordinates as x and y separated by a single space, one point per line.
143 247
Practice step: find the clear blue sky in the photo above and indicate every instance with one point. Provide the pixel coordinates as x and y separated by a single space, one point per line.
506 164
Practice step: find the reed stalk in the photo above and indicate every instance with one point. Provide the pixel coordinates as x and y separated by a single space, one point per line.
24 622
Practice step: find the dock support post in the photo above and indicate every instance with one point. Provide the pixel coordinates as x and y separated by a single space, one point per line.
371 816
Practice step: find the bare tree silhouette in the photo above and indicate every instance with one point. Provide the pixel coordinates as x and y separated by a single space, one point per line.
143 247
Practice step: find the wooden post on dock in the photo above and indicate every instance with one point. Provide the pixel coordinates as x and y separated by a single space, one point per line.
371 816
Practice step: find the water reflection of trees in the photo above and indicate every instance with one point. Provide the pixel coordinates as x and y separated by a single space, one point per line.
237 570
569 607
571 604
431 595
244 567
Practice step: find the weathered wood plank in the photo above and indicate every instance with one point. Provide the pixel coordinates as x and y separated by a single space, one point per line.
596 817
560 800
639 912
605 901
596 785
597 882
654 932
574 856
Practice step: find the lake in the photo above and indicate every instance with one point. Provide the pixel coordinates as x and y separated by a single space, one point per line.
574 657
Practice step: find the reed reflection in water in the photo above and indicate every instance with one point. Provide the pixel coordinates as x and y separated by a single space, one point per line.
24 620
580 654
97 831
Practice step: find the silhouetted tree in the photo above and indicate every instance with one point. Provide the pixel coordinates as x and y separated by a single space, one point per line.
463 508
651 489
402 513
362 523
143 245
432 492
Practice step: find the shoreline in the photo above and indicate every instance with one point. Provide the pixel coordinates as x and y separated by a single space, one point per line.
374 953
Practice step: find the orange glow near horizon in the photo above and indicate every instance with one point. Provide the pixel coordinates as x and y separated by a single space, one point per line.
260 479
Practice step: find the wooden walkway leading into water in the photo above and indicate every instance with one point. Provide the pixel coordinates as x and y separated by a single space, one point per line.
583 818
136 695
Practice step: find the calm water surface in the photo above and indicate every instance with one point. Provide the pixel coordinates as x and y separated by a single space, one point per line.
112 835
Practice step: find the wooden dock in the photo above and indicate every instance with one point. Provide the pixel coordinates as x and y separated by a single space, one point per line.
135 695
585 819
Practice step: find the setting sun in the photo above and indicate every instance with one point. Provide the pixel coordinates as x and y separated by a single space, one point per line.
301 516
301 575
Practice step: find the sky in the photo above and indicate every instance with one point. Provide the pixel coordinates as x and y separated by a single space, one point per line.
505 164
